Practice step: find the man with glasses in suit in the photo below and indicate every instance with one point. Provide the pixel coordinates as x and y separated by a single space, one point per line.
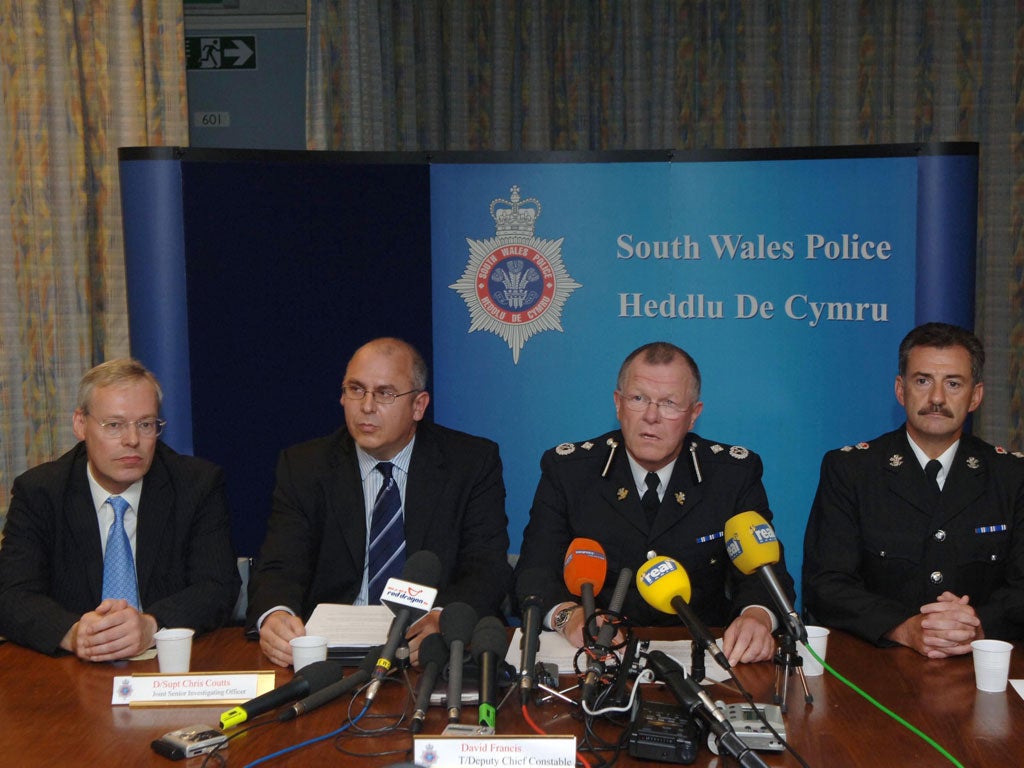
119 536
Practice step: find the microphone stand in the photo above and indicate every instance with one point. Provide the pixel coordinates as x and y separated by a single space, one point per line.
786 660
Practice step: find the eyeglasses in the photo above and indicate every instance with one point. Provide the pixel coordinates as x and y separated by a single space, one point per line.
115 428
380 396
668 409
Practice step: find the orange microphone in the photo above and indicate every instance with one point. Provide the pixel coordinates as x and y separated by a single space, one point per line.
585 569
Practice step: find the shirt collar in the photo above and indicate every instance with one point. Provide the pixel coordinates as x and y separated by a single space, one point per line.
132 494
946 459
401 460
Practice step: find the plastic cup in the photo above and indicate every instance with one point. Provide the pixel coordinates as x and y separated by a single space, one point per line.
307 649
817 638
174 649
991 664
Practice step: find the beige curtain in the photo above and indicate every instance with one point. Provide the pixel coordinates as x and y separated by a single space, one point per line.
654 74
79 79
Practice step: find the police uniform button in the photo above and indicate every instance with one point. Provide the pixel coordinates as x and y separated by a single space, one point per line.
936 577
940 535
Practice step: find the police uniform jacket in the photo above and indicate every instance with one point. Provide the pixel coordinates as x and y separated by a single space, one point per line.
880 542
707 487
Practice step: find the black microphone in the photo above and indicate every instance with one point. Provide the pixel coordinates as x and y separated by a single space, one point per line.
335 690
433 655
605 635
457 622
422 568
696 701
532 583
312 678
490 641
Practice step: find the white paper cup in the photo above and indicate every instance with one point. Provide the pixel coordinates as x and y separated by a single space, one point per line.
817 638
174 649
991 664
306 649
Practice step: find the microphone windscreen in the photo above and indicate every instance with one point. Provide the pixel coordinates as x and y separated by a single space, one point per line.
530 586
423 567
585 563
750 542
489 635
433 649
320 674
457 622
659 580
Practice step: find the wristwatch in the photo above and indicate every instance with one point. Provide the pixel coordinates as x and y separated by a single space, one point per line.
562 617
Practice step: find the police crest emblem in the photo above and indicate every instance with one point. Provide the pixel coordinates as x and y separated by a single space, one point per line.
515 284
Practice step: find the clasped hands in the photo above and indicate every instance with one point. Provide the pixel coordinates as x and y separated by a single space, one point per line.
113 630
942 629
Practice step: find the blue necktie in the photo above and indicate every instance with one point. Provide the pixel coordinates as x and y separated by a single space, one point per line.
119 579
387 535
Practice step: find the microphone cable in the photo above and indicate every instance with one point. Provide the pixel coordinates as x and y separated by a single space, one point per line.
872 700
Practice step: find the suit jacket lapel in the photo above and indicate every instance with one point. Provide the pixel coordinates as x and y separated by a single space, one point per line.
966 480
906 478
343 489
84 525
682 495
427 478
618 490
156 508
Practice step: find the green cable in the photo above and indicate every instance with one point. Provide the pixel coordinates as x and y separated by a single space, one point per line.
885 709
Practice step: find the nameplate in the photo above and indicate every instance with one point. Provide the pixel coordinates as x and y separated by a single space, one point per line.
156 690
497 751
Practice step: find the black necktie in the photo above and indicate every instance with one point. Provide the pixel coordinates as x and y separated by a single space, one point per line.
932 470
650 501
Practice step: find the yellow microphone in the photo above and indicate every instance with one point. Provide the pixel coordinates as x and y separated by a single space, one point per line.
750 542
665 586
753 546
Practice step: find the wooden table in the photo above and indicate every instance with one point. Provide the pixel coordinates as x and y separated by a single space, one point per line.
57 712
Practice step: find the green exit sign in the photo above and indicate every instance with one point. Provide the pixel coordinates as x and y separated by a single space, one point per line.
220 52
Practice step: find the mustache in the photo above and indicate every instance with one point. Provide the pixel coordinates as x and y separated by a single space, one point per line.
939 409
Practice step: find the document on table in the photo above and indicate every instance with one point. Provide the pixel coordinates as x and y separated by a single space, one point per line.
350 629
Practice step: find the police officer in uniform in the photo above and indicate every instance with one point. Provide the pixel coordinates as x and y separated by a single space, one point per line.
917 537
654 486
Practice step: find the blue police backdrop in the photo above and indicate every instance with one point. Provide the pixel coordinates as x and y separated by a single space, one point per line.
789 275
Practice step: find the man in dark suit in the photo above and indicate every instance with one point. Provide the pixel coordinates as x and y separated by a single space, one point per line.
55 590
900 556
600 489
449 499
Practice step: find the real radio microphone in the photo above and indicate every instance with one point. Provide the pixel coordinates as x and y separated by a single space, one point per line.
531 585
605 635
457 622
333 691
489 643
312 678
433 655
422 569
753 546
665 585
585 569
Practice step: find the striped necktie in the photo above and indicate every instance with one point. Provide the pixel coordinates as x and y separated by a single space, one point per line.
119 580
386 555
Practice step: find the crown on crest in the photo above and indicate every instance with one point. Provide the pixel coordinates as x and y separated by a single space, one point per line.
519 219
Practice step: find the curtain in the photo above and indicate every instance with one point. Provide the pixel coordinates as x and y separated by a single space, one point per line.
656 74
79 79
